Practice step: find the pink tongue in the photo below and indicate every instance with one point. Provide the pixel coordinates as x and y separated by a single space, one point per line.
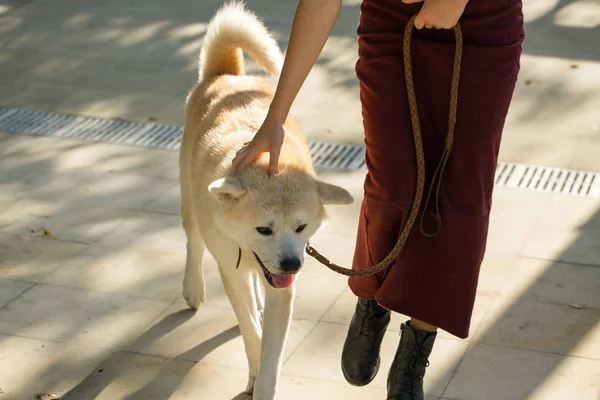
282 281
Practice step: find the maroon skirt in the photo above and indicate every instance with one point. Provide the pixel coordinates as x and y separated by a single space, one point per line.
434 279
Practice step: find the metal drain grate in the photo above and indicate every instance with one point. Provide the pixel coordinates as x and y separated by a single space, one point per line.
149 134
548 179
325 155
336 155
153 135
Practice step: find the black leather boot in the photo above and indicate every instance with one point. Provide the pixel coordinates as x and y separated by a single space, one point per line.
360 357
405 380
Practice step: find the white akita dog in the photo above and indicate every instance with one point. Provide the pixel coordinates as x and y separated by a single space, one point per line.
255 226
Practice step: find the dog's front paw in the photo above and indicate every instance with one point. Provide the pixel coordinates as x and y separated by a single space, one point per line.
264 390
193 291
250 386
259 395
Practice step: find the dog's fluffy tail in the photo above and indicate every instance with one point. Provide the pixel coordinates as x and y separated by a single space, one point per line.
232 30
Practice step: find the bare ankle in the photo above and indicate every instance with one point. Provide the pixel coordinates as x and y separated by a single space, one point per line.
422 326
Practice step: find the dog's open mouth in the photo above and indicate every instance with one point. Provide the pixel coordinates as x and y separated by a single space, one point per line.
277 281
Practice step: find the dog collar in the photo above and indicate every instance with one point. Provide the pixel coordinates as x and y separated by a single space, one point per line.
266 273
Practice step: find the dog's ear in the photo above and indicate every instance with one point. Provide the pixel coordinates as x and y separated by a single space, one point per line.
332 194
226 189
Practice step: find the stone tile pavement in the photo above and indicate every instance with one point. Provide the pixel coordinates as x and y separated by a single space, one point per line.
91 263
92 251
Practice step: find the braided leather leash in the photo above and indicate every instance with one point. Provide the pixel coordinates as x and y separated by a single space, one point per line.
416 127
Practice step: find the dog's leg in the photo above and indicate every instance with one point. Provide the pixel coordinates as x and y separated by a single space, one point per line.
278 313
193 281
241 292
259 294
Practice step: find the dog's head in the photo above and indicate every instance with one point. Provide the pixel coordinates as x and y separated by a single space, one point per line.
274 217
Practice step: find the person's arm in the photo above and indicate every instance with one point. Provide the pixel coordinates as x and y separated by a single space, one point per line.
311 28
313 22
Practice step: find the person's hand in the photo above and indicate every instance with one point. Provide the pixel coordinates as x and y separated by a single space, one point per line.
269 139
439 14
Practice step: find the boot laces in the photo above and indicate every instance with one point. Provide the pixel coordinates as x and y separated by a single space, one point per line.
411 355
370 321
417 355
421 355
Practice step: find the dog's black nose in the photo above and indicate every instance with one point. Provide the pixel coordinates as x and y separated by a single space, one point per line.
290 265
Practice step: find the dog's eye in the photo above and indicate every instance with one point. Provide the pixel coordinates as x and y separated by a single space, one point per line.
300 228
264 231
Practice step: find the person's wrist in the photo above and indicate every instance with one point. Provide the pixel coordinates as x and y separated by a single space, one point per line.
277 114
277 117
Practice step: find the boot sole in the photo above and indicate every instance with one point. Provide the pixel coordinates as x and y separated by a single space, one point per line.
358 383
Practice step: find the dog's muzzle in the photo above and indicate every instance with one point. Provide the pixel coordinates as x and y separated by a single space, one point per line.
282 281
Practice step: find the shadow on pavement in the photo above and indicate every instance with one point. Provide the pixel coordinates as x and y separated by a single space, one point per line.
168 377
150 51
